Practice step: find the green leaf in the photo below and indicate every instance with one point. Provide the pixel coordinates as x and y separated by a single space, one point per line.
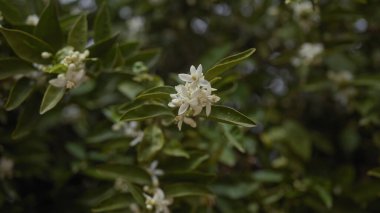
190 177
374 172
131 173
232 139
78 34
13 66
186 189
148 57
102 23
21 90
230 116
26 46
10 12
162 89
152 143
146 111
324 195
268 176
136 193
129 48
99 49
48 28
227 63
119 202
51 98
26 121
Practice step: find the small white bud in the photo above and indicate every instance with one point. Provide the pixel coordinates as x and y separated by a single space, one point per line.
46 55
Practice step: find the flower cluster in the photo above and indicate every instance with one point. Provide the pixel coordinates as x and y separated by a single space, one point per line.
308 53
192 97
305 14
74 65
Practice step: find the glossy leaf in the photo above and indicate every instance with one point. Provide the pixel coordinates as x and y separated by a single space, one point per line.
100 49
51 98
21 90
102 23
26 46
26 121
228 63
146 111
230 116
186 189
48 28
14 66
78 34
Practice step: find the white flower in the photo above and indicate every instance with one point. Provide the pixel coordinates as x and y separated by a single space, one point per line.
341 77
130 129
158 202
32 20
121 185
75 63
192 97
69 80
6 167
155 172
302 8
309 51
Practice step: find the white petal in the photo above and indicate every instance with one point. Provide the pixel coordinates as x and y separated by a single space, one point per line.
193 70
204 83
58 82
185 77
197 110
208 109
190 122
180 124
182 109
199 69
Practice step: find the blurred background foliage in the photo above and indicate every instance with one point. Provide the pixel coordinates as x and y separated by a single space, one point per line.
317 138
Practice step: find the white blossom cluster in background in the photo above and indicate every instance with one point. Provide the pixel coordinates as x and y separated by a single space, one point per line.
74 64
308 53
130 129
343 91
155 198
305 14
32 20
192 97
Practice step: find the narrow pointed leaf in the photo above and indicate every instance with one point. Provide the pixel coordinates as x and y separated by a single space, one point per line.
227 63
230 116
48 28
26 46
129 48
186 189
131 173
51 98
118 202
374 172
78 34
102 23
137 193
26 121
10 12
21 90
146 111
14 66
148 57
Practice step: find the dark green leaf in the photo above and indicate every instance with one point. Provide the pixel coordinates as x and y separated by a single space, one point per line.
102 23
51 98
78 34
136 193
10 12
186 189
119 202
232 139
230 116
26 121
131 173
227 63
99 49
148 57
48 28
129 48
21 90
146 111
26 46
190 177
13 66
